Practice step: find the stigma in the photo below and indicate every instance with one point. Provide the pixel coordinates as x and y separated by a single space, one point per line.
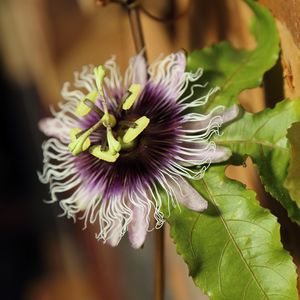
115 140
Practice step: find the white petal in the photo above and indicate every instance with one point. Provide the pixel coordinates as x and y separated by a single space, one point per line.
137 228
187 195
201 153
114 72
214 119
136 71
114 236
169 72
230 113
54 127
216 155
220 154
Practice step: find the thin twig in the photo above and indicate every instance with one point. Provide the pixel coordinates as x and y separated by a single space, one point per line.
159 264
167 19
136 27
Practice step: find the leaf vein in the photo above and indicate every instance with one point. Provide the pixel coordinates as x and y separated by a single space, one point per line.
219 266
272 270
191 236
246 288
255 142
245 221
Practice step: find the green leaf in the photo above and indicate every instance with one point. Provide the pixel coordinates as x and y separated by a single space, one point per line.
233 249
235 70
263 137
292 182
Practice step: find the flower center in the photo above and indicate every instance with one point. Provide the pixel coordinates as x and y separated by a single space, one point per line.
124 138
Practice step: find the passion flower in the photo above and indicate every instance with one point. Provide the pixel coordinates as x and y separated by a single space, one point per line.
115 143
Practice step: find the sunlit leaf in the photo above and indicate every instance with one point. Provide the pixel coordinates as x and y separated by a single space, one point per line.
263 137
235 70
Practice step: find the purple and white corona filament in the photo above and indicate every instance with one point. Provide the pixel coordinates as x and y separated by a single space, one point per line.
114 142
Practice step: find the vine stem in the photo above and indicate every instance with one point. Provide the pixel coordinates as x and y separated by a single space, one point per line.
159 264
139 43
136 27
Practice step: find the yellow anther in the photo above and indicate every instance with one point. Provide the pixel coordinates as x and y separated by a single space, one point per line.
82 109
113 144
73 133
134 90
99 73
80 144
132 133
109 120
104 155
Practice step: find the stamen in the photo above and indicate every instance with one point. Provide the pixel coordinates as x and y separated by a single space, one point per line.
89 105
78 144
93 106
134 91
104 155
132 133
128 124
113 144
80 140
84 108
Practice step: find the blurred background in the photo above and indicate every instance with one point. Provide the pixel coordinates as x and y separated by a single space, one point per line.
43 257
